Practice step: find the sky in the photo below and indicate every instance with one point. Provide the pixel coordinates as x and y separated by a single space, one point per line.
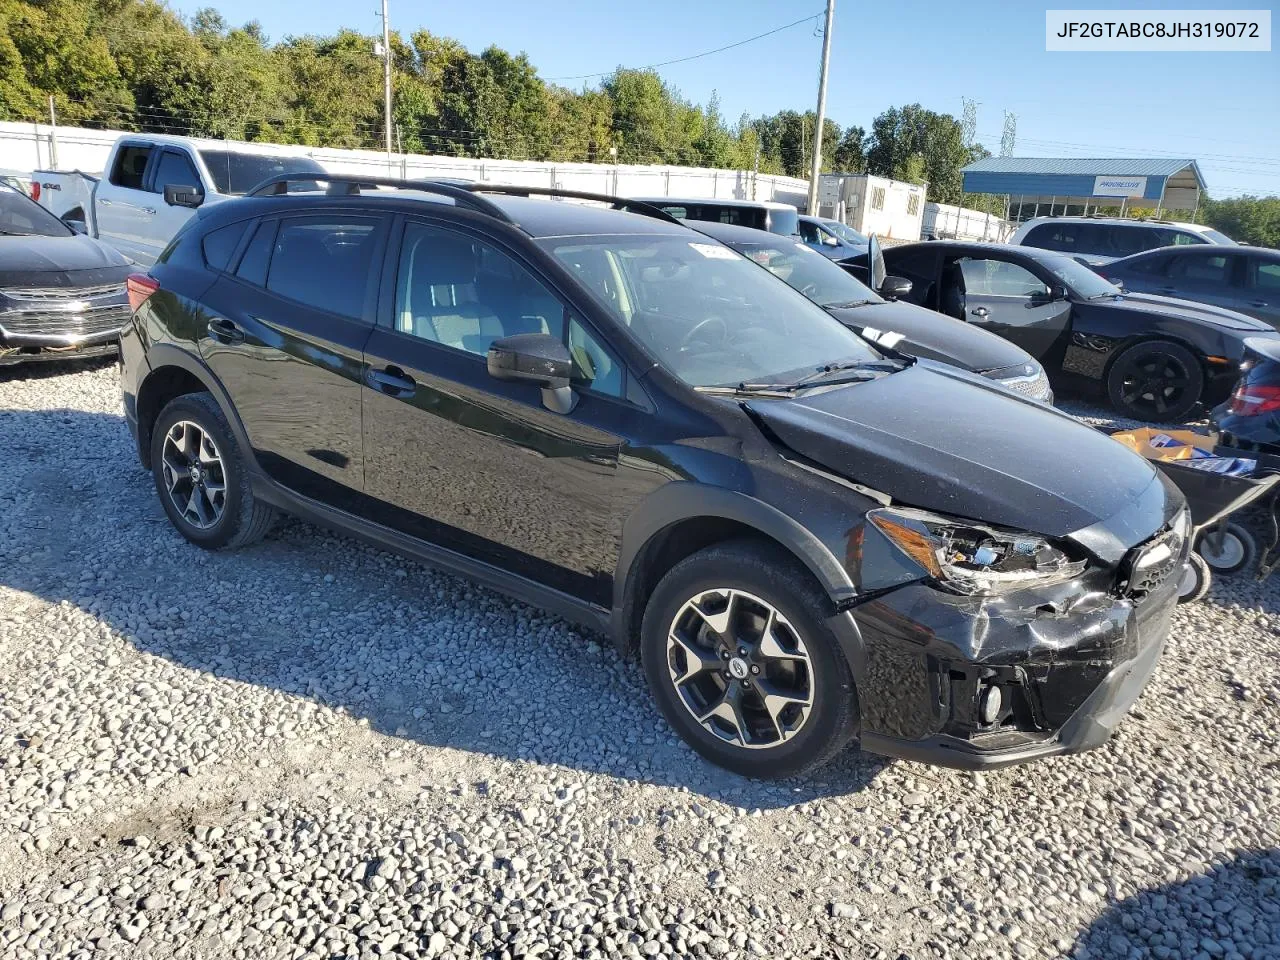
1222 109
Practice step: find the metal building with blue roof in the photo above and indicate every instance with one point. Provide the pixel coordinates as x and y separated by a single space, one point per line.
1033 183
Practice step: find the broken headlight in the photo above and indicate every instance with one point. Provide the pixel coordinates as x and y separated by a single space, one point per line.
973 558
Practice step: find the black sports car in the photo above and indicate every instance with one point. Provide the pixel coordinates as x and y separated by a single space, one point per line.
62 295
1156 357
891 323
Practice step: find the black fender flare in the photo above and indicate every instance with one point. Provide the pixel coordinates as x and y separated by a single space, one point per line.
161 355
684 500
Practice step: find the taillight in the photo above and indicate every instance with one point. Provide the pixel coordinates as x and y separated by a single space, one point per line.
140 286
35 190
1249 400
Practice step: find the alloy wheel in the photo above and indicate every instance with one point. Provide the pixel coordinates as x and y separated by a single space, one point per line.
740 668
194 475
1154 382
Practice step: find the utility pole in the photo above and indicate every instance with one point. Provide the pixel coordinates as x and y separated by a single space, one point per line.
53 136
822 110
386 76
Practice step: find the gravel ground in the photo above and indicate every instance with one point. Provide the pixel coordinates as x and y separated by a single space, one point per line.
315 749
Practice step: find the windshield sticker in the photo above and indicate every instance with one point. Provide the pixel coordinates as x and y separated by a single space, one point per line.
714 251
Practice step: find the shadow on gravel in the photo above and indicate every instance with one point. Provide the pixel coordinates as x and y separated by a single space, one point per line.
422 655
1233 911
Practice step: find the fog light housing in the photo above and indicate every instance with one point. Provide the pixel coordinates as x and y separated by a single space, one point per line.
990 700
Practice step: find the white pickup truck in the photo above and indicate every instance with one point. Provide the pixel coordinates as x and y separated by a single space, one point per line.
153 183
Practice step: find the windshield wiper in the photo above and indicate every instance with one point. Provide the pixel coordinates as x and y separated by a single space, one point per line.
849 304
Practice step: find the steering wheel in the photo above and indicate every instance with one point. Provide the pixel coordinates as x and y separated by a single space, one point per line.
700 326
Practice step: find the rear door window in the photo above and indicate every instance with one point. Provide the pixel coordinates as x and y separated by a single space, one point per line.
324 262
257 256
130 165
1202 268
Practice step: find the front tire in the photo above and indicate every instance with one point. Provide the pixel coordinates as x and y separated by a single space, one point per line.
742 664
1155 380
201 476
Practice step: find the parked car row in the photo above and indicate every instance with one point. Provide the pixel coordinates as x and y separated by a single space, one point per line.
1156 358
808 538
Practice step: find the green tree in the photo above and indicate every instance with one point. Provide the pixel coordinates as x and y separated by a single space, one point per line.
1246 219
850 154
903 132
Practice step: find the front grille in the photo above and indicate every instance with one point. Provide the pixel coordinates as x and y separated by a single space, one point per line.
65 325
1036 386
45 294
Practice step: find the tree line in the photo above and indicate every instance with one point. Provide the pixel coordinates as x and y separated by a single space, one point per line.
135 64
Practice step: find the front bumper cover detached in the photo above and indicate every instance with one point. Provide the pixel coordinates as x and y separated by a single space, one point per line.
1068 664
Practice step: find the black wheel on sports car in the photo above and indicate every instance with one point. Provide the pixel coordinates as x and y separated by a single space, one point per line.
1155 380
201 477
742 664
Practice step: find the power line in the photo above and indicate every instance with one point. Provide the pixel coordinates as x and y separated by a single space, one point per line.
697 56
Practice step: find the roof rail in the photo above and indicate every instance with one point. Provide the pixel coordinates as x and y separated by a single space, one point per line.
458 191
617 203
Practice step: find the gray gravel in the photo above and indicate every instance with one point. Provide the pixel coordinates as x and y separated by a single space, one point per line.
311 748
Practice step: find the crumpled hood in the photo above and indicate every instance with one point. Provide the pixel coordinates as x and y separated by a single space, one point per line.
949 442
1191 310
936 336
38 261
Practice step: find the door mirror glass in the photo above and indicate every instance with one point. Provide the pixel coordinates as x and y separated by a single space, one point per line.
875 264
182 195
538 359
894 288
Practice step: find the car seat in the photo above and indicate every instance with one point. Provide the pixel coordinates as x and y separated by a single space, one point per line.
440 302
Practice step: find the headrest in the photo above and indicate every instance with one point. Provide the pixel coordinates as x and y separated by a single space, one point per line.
439 264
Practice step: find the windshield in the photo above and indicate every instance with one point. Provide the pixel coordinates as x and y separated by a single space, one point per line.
710 316
845 232
236 174
817 277
1079 279
20 216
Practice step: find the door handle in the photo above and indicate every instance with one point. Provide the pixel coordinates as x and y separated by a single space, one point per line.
979 311
224 331
104 203
392 381
1258 303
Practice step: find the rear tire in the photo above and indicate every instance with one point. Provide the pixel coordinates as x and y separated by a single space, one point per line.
1155 380
762 703
201 476
1196 579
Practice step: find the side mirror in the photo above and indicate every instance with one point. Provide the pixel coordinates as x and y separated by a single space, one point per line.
79 226
894 288
181 195
1057 292
538 359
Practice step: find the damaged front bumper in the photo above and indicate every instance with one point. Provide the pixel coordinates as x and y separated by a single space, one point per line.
985 682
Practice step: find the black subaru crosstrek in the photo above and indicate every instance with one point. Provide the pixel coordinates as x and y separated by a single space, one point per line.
807 539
